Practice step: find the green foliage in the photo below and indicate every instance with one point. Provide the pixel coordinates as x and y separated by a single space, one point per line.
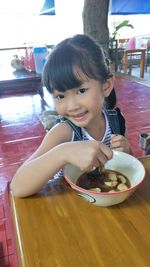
124 23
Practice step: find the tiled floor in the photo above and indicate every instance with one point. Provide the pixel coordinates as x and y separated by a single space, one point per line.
21 132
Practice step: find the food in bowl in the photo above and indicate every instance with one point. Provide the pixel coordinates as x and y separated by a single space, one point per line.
106 181
126 164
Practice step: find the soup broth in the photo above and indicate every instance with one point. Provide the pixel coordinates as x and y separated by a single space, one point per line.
107 181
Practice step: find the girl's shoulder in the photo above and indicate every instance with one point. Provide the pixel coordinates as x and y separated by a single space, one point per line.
75 130
60 132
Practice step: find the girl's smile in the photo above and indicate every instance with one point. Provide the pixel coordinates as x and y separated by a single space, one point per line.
80 116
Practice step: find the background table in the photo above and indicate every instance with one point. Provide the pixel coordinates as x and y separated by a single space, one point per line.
19 81
56 227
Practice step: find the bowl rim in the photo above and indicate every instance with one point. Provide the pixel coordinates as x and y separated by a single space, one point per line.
130 189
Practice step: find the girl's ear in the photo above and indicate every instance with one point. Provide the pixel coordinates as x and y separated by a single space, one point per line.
108 86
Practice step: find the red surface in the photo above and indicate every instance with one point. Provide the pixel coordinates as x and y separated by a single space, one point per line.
21 132
134 101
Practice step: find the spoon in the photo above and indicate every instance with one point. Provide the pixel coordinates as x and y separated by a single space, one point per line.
97 172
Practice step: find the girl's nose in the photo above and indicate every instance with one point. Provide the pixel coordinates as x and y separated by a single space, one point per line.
72 104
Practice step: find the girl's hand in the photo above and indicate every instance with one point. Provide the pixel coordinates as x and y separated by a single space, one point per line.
120 143
86 154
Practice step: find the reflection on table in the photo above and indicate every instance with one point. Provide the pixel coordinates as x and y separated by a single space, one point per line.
56 227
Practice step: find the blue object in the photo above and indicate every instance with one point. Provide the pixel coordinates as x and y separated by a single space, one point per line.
40 49
48 8
129 7
40 54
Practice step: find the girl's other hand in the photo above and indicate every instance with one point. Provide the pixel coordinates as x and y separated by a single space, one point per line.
120 143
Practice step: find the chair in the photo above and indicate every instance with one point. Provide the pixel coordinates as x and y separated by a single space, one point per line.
132 57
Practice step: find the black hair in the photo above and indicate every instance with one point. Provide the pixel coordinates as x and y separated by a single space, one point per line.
80 52
110 101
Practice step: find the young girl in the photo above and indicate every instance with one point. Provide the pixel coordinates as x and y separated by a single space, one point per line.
77 75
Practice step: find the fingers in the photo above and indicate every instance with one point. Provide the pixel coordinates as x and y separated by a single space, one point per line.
100 155
103 154
116 141
87 154
120 143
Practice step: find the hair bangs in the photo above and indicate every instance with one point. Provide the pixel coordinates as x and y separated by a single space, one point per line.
73 61
62 71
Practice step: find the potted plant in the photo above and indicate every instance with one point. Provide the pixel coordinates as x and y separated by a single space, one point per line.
124 23
115 53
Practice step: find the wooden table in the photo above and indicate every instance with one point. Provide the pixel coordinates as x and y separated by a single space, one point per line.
134 52
19 81
57 228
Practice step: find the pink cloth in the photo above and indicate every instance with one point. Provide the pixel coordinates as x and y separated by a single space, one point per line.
131 43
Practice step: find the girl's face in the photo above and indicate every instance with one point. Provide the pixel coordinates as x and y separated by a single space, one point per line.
83 105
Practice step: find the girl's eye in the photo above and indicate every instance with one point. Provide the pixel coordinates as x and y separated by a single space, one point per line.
59 97
82 90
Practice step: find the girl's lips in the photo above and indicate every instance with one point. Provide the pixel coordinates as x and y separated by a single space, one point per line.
80 116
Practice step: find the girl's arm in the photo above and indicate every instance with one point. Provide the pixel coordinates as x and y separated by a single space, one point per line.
55 151
43 164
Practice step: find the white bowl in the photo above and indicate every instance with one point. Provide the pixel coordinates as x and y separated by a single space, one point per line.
122 162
